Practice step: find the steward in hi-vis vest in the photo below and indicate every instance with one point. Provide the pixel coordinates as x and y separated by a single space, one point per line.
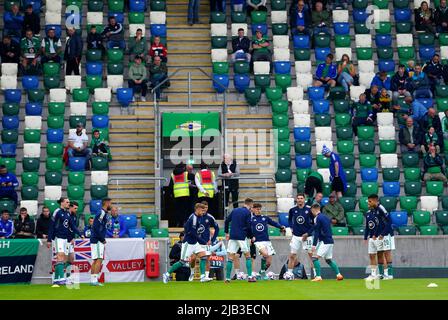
179 187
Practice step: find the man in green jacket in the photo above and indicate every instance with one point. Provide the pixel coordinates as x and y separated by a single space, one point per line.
29 47
51 48
157 73
335 212
137 45
313 183
137 78
321 20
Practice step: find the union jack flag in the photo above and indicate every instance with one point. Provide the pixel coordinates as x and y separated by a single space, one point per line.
82 250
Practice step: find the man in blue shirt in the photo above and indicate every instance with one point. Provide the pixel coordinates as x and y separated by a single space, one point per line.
323 243
6 226
117 225
371 234
416 110
337 173
239 221
260 232
8 183
73 209
326 73
300 18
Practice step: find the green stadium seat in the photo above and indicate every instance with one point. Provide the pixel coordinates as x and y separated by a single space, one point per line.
53 178
407 231
115 68
442 104
284 162
364 53
100 164
279 29
406 53
363 204
426 39
280 120
391 174
413 188
344 133
30 193
74 120
76 192
410 160
347 160
95 5
253 96
80 95
358 231
403 27
351 189
302 54
149 222
441 217
381 4
343 119
7 205
219 42
430 230
55 149
300 187
241 67
341 106
94 55
55 122
93 82
274 232
274 94
354 218
361 28
100 108
339 231
408 203
401 4
257 16
220 67
343 41
238 17
36 95
56 108
368 188
302 174
434 188
52 205
54 164
366 146
442 90
360 4
278 5
30 179
52 82
345 147
51 69
115 55
322 120
283 175
350 174
10 109
116 5
160 233
384 28
98 192
388 146
31 136
280 107
31 164
326 189
10 164
322 41
389 203
367 160
385 53
366 132
158 5
283 133
283 81
302 147
283 147
322 162
348 203
412 174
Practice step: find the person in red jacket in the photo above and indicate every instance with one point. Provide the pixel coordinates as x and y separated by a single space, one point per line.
158 49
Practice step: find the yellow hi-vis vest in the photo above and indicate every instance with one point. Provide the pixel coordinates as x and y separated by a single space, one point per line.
207 179
180 185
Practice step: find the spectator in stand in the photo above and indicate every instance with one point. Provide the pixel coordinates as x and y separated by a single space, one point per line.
29 46
445 125
410 67
9 51
346 72
409 137
78 145
73 52
255 5
88 228
51 48
117 228
326 73
373 96
316 199
100 146
95 40
238 5
362 113
43 224
321 20
424 18
6 226
432 119
183 273
433 166
240 47
158 72
24 226
31 21
419 84
398 84
415 110
114 34
441 17
337 173
137 45
229 168
431 139
138 78
335 212
385 101
313 183
382 80
12 23
260 48
300 18
8 183
193 12
434 70
158 49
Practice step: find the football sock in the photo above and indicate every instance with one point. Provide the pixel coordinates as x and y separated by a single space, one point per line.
290 270
317 267
389 271
192 270
202 265
207 274
263 265
249 266
68 269
333 266
381 269
59 270
175 266
374 271
229 269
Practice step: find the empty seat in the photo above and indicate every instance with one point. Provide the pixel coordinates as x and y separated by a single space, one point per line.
391 188
53 192
355 92
8 82
324 133
114 82
102 94
281 54
283 190
261 67
284 204
31 150
389 160
302 121
386 132
429 203
219 55
300 106
369 174
58 95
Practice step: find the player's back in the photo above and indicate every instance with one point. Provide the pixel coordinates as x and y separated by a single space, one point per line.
239 220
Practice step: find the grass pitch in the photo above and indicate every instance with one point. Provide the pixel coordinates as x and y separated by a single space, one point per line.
406 289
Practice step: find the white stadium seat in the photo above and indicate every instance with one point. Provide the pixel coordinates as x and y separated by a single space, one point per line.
429 203
325 174
262 67
94 17
366 65
114 82
72 82
283 190
279 16
340 16
157 17
219 55
405 40
389 160
302 67
58 95
382 15
8 82
31 206
294 93
31 150
281 54
305 80
365 79
236 26
341 51
52 17
320 144
302 120
363 40
33 122
444 52
323 133
281 42
9 69
355 91
54 6
385 118
78 108
133 29
218 29
300 106
102 95
284 204
53 192
386 132
100 178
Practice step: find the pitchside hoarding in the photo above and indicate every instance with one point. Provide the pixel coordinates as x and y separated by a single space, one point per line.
17 258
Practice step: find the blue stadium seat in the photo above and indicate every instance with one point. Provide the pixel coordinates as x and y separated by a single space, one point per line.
321 106
386 65
341 28
399 218
94 68
391 188
33 109
137 233
427 102
35 3
383 40
301 41
95 206
321 53
8 150
77 163
57 29
369 174
360 15
10 122
223 80
119 16
100 121
124 96
426 52
402 15
30 82
316 93
137 5
324 201
263 27
302 134
304 161
283 219
158 30
130 220
55 135
241 82
13 95
282 67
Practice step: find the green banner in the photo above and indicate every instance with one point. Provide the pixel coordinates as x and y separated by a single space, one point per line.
190 124
17 259
18 247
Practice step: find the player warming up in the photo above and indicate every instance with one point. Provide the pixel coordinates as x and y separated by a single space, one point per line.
371 232
73 209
